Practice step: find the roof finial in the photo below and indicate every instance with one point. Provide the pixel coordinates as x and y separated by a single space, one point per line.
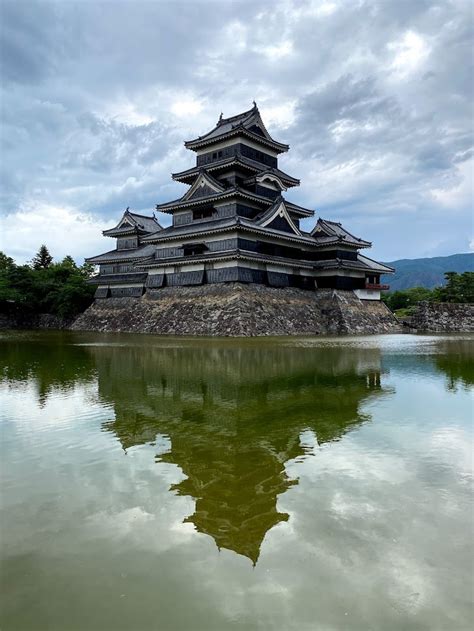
254 105
221 117
127 209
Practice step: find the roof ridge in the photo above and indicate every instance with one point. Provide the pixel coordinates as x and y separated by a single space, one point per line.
229 119
339 224
335 223
364 256
234 125
143 216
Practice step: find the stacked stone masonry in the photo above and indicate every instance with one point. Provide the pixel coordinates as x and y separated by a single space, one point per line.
237 309
443 317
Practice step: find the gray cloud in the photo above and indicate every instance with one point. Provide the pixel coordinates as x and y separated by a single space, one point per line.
374 98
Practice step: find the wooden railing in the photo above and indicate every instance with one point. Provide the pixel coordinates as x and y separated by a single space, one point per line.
377 286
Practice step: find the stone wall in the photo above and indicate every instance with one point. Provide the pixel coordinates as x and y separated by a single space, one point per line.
443 317
40 321
236 309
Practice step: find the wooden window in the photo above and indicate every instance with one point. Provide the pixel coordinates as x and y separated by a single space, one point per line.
203 213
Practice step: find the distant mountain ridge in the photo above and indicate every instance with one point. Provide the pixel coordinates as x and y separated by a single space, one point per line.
426 272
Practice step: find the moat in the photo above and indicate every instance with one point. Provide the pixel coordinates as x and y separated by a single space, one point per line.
279 483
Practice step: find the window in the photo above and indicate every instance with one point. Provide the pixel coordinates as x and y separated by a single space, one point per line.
127 244
192 249
203 213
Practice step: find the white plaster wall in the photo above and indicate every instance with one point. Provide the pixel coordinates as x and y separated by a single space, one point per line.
367 294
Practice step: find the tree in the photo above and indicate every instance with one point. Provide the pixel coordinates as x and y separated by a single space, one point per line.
406 298
68 261
43 259
44 287
87 270
6 262
467 286
458 288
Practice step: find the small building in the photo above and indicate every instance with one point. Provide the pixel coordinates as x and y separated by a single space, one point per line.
234 224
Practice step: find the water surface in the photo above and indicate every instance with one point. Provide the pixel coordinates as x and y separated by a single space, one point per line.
178 484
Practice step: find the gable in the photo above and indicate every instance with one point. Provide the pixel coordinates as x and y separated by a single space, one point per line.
279 219
256 129
202 191
280 223
203 185
125 223
255 125
318 231
270 181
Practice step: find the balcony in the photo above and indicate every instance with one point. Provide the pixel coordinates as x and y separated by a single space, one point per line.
378 286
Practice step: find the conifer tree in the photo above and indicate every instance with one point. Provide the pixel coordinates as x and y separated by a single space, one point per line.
43 258
68 261
6 262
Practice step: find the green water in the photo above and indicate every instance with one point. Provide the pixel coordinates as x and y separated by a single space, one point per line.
173 484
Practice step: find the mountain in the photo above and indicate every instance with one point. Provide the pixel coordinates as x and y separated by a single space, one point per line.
427 272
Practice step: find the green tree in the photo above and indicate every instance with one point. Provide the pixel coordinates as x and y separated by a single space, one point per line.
43 259
406 298
57 288
458 288
6 262
68 261
467 286
87 270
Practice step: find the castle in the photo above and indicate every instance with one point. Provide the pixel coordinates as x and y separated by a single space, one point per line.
234 224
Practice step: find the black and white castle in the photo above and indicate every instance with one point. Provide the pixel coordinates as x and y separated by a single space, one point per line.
234 224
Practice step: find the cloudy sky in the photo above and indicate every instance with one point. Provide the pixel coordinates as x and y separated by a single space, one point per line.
373 97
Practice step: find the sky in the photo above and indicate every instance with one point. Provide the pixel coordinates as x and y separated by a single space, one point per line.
374 98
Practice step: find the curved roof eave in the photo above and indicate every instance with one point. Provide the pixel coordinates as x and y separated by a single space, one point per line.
198 143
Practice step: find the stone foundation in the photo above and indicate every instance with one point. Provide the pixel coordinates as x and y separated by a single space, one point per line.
443 317
41 321
239 310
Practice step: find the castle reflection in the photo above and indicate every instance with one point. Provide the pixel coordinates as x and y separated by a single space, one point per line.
234 416
234 411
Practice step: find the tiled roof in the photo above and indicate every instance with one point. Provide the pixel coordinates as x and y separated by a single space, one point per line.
299 210
134 222
363 263
231 223
375 265
192 228
182 202
244 122
267 212
133 277
148 224
122 255
224 255
334 229
257 167
264 217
